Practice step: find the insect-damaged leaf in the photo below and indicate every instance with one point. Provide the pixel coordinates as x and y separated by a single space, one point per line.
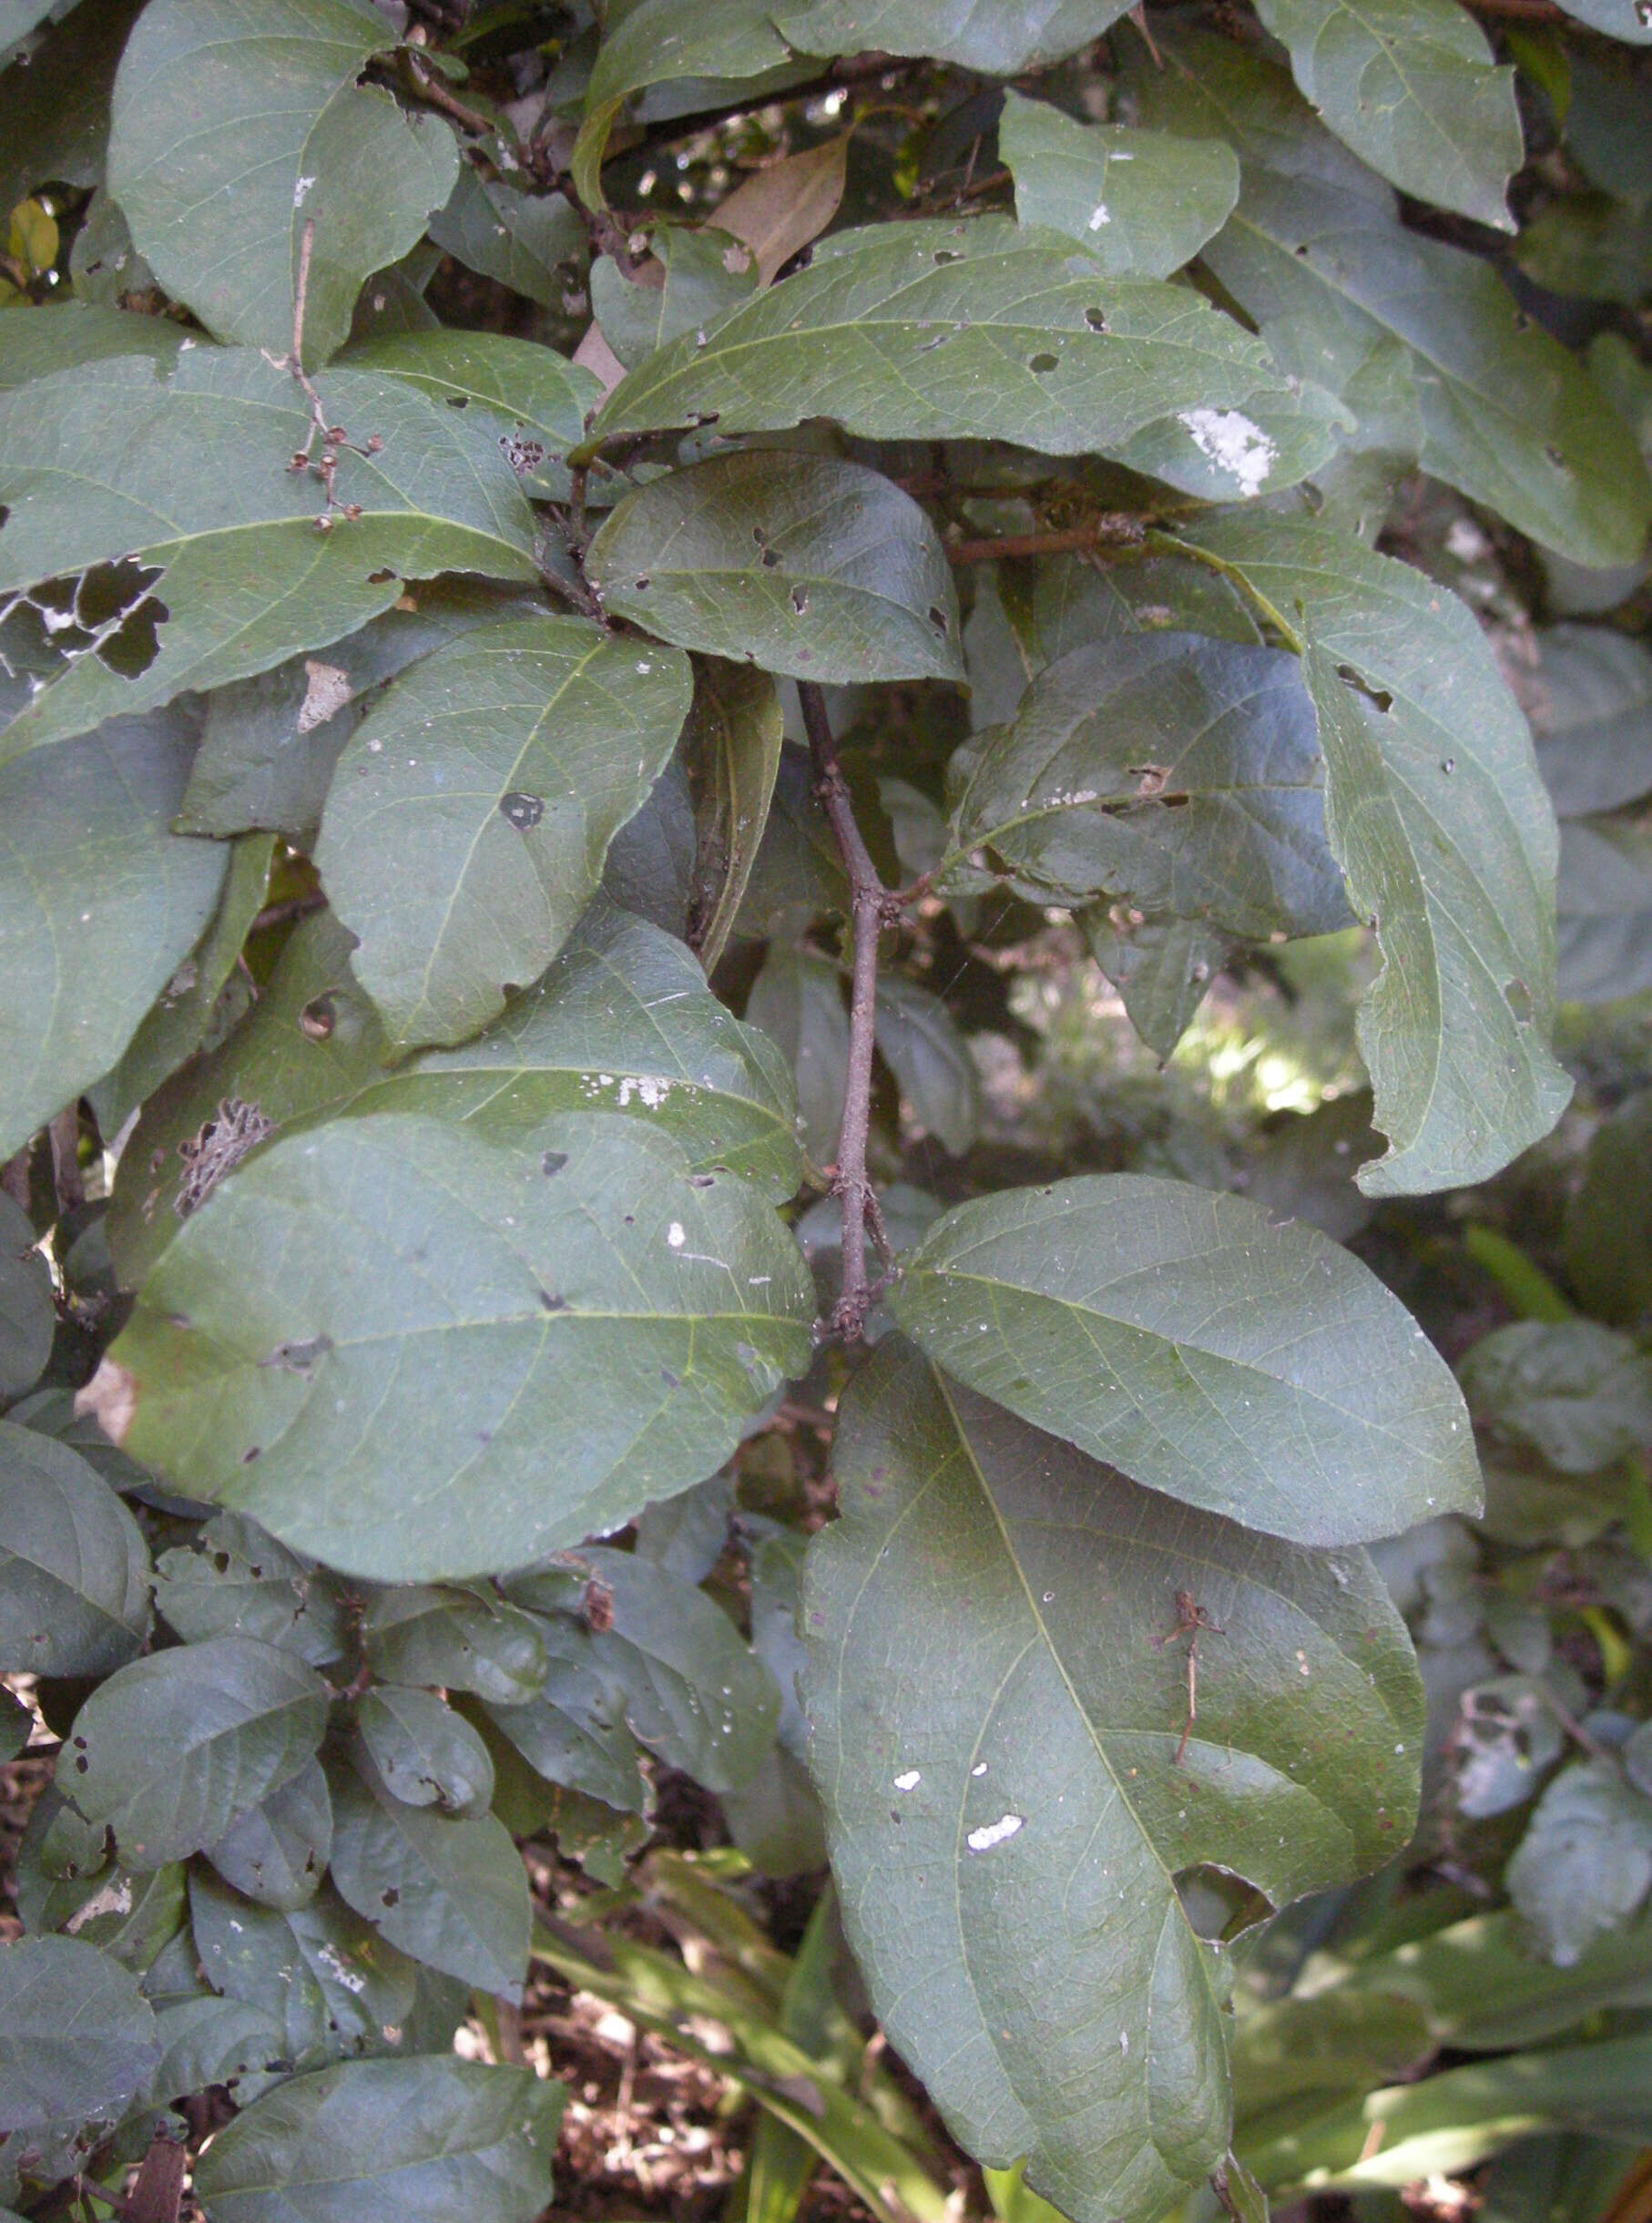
997 1708
819 569
205 562
1179 772
420 1356
536 397
1435 811
510 759
1252 1369
985 330
220 182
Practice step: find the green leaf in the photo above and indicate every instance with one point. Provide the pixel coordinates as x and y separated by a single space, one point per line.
1593 718
458 1639
698 275
1142 203
74 1568
277 1853
732 747
99 905
998 42
776 1818
1608 1220
541 397
1604 910
1162 967
1412 86
797 1000
1252 1369
532 242
182 486
76 2036
981 330
1421 340
426 1754
173 1748
692 1686
1180 773
1618 18
28 1317
233 1580
1336 2040
220 183
574 1732
1578 1393
819 569
994 1733
213 2041
922 1047
452 1894
34 343
535 742
330 1982
423 2141
449 1358
1437 814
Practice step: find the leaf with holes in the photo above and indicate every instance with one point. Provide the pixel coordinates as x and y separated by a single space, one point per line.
74 1567
222 184
1179 773
203 557
232 1579
1252 1369
173 1748
426 1754
277 1854
510 759
421 1355
998 1685
536 400
982 329
1142 203
100 902
819 569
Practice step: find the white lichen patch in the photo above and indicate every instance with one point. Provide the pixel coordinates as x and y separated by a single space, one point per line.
1234 445
676 1234
1098 215
993 1832
334 1962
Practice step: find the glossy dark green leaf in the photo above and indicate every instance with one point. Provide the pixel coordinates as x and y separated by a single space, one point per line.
492 1354
331 1985
575 1732
1608 1219
220 183
1579 1393
99 905
1252 1369
983 329
1142 203
425 2140
996 1712
921 1044
1413 87
1161 965
277 1853
1603 904
451 1893
213 2041
999 42
74 1567
426 1754
797 1000
182 485
458 1639
173 1748
1593 718
1435 810
28 1317
692 276
690 1684
820 569
733 748
511 758
1418 338
1181 774
233 1580
76 2036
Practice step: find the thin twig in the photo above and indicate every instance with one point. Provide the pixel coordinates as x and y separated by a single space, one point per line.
871 907
332 437
427 87
1570 1723
1115 530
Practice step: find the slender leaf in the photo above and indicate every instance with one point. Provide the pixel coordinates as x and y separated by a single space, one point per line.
1142 203
797 1000
733 750
1252 1369
930 1059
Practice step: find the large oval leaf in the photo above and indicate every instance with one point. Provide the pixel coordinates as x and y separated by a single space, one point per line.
425 2141
76 2036
100 902
997 1708
1179 773
820 569
508 759
1437 814
418 1355
173 1748
985 330
74 1567
186 479
219 179
1252 1369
